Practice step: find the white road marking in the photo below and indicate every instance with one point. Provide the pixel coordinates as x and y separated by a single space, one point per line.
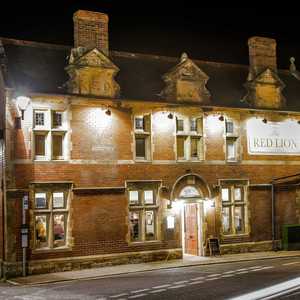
158 291
242 272
197 278
291 263
213 275
119 295
139 291
228 272
177 286
161 286
180 282
195 282
228 275
244 269
137 296
214 278
255 267
265 268
256 270
272 291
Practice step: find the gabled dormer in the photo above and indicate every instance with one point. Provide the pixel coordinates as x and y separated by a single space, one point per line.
90 69
186 82
264 87
92 73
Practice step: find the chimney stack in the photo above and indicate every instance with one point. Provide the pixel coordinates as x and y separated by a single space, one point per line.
91 30
262 55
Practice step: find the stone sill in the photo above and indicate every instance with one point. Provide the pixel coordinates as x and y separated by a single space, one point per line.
144 243
52 250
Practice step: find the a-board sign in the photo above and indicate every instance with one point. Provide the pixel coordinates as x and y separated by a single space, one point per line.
214 246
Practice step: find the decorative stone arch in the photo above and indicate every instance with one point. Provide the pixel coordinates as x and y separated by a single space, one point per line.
196 184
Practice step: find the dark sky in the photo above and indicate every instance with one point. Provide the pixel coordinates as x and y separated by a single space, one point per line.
210 33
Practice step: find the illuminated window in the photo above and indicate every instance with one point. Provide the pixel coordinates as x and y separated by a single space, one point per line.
189 143
143 210
51 212
231 141
234 205
49 140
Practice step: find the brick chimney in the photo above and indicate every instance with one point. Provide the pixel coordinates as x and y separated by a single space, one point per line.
264 86
262 55
91 30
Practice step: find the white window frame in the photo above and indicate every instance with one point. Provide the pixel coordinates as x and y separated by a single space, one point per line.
232 203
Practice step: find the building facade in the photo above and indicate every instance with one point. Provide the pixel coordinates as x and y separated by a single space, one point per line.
111 157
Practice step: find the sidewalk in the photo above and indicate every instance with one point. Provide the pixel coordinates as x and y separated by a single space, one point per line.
132 268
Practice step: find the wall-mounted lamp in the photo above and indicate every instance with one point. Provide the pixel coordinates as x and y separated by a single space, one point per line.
22 104
221 118
170 116
265 120
108 112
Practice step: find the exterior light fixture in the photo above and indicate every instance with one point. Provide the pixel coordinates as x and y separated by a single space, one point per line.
265 120
108 112
22 104
221 118
170 116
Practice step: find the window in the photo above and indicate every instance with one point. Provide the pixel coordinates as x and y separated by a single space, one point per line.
231 141
143 210
234 208
142 127
57 119
51 213
189 144
49 141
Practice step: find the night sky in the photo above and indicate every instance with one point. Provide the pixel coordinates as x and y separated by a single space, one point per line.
207 33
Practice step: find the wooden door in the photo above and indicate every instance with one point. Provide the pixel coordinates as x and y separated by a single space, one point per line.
191 229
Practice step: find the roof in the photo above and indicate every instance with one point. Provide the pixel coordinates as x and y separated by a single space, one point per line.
39 67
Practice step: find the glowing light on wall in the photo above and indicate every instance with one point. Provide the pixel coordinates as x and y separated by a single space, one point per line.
170 222
208 205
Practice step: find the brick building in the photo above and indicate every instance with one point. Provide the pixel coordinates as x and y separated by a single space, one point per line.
130 157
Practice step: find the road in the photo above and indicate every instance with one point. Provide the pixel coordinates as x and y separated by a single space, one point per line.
221 281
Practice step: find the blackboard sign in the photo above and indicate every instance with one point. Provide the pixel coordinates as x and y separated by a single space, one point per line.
214 247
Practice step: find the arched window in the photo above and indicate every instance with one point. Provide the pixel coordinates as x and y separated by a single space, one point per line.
189 192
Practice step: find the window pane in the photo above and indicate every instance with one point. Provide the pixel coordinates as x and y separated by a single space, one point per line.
134 218
39 119
59 230
133 197
150 225
225 194
148 197
56 119
229 127
41 200
39 141
230 145
238 194
239 219
195 147
226 219
57 146
58 200
139 123
193 125
180 147
179 125
140 147
41 231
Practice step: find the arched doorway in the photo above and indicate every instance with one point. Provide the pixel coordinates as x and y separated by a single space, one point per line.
191 191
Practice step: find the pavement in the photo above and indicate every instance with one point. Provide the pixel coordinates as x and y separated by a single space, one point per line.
110 271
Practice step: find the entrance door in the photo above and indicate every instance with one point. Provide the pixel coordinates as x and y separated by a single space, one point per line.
191 228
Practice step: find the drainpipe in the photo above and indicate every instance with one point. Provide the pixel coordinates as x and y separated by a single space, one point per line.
273 218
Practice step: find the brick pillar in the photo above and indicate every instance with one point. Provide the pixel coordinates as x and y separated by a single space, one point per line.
262 54
91 30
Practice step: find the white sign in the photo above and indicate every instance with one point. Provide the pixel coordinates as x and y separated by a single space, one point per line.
273 138
25 202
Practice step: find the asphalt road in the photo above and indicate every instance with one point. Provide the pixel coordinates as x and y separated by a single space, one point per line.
223 281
